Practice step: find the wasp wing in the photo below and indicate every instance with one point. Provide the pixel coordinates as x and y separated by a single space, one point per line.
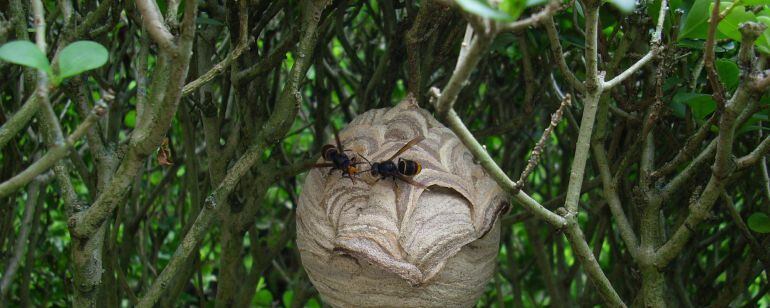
408 145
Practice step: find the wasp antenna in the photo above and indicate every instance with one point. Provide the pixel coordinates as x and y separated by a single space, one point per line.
337 137
369 162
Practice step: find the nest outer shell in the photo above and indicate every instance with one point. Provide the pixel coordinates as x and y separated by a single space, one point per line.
389 243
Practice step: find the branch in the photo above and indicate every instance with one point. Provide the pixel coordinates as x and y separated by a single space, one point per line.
613 199
53 155
558 53
19 120
471 52
277 125
444 102
153 22
534 157
586 257
762 84
654 50
758 153
171 70
723 161
462 132
19 248
708 58
759 251
685 153
269 62
216 69
534 19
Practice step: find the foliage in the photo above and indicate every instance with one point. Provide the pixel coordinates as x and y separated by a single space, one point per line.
367 55
74 59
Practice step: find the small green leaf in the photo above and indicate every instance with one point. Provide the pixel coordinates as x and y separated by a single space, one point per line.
263 298
759 222
730 24
481 8
25 53
79 57
130 119
513 7
696 22
763 42
728 72
288 297
755 2
531 3
701 104
625 6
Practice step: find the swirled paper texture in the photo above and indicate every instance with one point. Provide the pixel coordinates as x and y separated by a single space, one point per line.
389 243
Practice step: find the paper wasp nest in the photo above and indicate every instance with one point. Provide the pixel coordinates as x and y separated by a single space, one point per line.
380 243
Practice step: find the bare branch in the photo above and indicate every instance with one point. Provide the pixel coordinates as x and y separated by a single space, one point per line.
558 54
216 70
613 199
277 125
708 58
19 120
654 50
20 247
153 22
534 157
462 132
759 251
466 62
52 156
534 19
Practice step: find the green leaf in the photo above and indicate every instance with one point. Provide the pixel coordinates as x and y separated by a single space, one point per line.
514 8
728 72
130 119
696 23
625 6
263 298
79 57
756 2
730 24
531 3
481 8
25 53
701 104
288 297
759 222
763 42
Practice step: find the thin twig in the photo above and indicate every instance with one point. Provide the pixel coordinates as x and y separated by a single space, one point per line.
708 59
558 53
534 157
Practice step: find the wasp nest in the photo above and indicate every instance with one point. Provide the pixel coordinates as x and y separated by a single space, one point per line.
391 243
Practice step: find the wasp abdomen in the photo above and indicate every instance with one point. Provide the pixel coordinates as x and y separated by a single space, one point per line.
409 167
329 152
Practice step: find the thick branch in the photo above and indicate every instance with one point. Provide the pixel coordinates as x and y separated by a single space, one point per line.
19 120
153 21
